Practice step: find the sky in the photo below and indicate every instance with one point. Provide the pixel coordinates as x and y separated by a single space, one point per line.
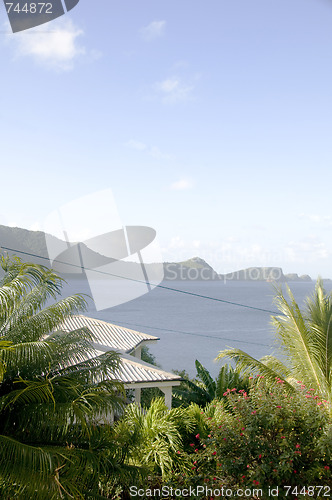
210 122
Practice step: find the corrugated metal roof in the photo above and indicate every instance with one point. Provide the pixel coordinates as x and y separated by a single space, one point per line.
107 334
135 371
112 337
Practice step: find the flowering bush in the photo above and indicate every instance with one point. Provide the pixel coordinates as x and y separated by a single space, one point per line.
266 439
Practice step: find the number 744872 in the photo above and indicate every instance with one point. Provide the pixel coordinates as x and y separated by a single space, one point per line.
32 8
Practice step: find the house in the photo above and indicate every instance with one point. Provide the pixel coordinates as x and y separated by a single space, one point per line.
134 373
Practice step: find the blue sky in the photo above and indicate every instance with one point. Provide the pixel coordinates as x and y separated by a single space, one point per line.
210 122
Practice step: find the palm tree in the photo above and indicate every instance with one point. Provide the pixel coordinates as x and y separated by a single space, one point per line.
54 392
204 389
155 437
304 341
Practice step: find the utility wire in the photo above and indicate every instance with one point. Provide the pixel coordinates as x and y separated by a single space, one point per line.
166 288
194 334
185 292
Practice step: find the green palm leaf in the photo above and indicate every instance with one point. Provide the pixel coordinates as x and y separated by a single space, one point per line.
248 364
206 378
56 394
304 341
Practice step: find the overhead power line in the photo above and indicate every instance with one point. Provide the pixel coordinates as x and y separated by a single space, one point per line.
184 292
136 325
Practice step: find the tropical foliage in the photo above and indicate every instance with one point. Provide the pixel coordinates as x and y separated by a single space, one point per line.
155 437
204 389
54 392
263 440
305 344
258 425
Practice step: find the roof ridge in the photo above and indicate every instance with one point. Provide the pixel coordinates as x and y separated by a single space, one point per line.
152 337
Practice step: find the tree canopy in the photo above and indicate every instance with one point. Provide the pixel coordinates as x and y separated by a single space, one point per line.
55 391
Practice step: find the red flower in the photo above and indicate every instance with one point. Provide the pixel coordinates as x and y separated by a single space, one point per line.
214 453
297 446
191 444
326 467
197 436
259 456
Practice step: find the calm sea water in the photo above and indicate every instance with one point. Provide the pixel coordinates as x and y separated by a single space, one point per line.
193 328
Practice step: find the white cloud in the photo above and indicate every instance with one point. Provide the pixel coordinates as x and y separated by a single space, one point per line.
308 249
139 146
35 227
182 184
157 154
177 242
156 29
55 46
325 220
13 223
173 90
229 254
153 151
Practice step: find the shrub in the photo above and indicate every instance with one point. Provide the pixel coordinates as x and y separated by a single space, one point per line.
268 438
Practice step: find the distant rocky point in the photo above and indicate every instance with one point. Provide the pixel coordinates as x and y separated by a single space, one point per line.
31 246
198 269
195 269
272 274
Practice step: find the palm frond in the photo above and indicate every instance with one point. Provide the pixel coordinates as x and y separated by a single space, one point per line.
56 393
228 378
45 321
250 365
21 462
206 378
296 340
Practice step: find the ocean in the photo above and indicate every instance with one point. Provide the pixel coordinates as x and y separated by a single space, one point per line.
192 327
